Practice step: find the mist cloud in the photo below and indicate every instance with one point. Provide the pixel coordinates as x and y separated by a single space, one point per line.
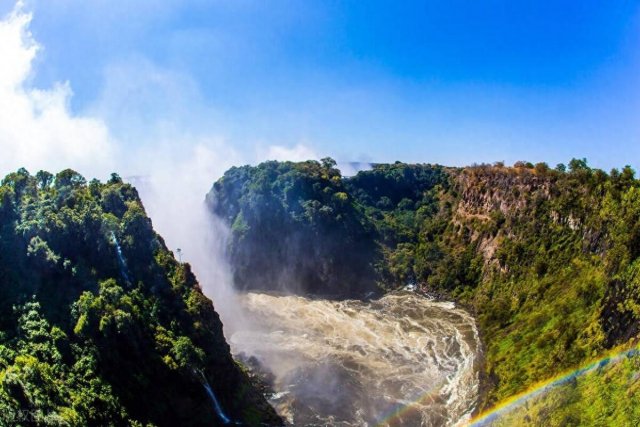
37 128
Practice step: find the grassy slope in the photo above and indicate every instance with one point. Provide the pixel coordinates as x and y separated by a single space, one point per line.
605 396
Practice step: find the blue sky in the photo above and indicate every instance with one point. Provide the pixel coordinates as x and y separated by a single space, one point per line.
451 82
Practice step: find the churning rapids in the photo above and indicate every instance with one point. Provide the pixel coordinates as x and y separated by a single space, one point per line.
401 360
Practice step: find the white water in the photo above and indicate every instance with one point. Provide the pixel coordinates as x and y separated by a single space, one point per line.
121 261
351 363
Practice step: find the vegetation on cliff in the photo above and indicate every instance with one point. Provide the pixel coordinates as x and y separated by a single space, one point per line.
547 258
100 324
295 228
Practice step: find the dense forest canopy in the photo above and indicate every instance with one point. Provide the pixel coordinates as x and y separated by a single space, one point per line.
100 324
548 258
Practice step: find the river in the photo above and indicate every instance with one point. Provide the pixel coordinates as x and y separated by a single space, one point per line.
402 360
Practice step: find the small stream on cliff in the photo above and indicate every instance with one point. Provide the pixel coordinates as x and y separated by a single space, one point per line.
402 360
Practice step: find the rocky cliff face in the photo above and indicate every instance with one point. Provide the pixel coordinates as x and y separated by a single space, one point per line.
100 325
557 283
485 190
494 202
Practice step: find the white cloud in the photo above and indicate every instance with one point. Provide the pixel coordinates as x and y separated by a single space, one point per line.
37 128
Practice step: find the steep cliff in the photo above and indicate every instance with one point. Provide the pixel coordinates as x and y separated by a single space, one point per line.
99 324
296 229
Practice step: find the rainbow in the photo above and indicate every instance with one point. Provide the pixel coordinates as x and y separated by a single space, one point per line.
401 410
491 415
487 417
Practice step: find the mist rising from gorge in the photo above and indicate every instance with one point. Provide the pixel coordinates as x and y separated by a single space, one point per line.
172 165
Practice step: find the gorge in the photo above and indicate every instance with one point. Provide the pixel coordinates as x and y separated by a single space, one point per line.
177 248
407 294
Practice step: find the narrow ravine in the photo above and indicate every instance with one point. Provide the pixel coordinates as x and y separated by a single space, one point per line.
404 359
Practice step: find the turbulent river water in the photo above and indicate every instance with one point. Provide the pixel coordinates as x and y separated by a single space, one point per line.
402 360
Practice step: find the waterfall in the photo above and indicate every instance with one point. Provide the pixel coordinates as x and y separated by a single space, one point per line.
216 404
214 400
121 261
